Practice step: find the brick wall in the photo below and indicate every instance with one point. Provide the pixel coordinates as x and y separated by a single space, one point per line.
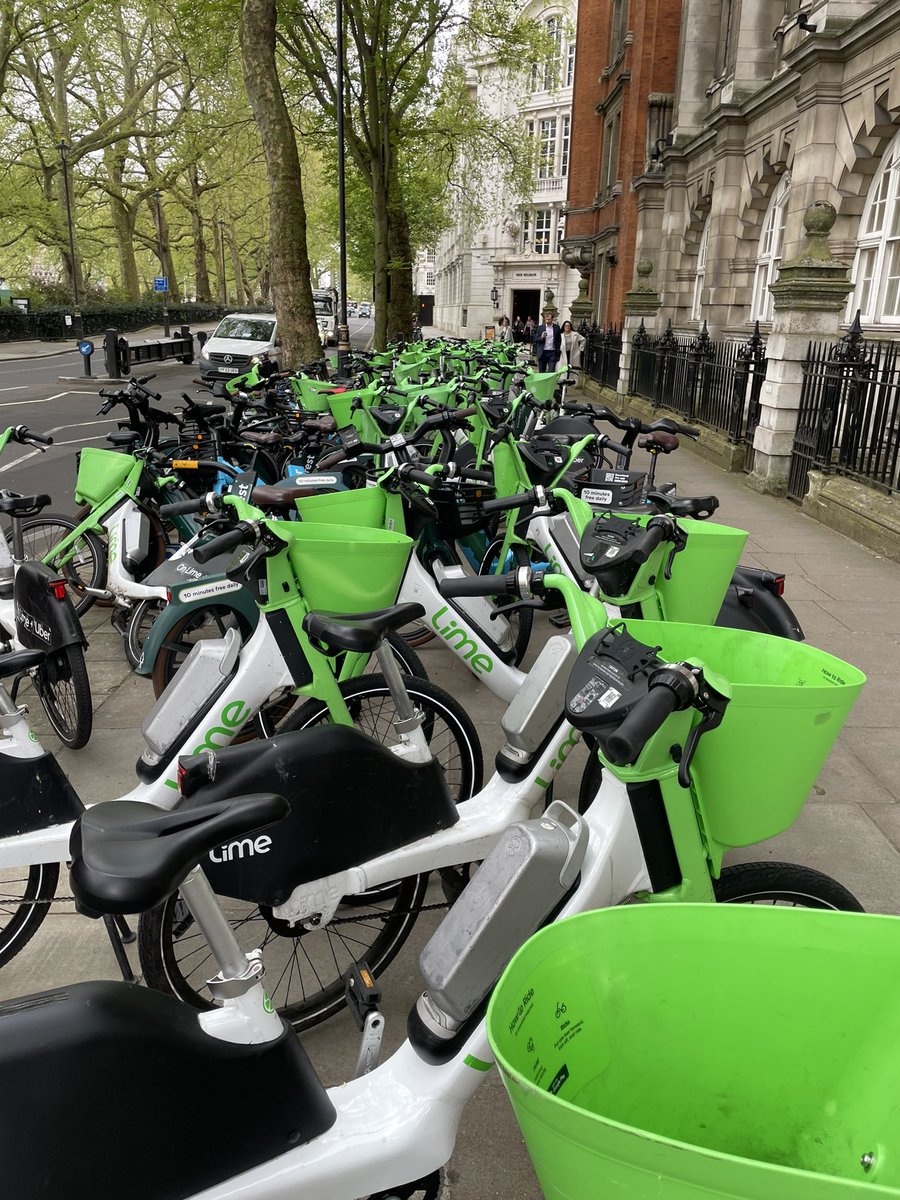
645 64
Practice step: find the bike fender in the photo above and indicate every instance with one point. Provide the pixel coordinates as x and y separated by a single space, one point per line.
44 622
240 602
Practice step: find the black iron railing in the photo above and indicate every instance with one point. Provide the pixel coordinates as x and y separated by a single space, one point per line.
602 353
711 383
849 418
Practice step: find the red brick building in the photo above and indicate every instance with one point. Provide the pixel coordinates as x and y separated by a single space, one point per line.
625 67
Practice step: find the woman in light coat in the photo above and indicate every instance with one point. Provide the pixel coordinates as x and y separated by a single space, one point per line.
570 349
504 331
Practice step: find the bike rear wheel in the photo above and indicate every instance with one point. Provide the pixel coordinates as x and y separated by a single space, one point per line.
25 897
783 883
64 690
82 566
304 969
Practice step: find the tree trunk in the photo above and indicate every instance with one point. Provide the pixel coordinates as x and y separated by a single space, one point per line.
123 224
380 255
221 278
298 332
402 304
201 272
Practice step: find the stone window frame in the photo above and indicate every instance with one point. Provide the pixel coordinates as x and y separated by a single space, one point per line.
769 252
700 275
876 264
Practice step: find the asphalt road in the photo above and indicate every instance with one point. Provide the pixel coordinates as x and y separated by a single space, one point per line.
32 393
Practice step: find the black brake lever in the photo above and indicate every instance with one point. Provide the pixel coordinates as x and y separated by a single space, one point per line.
712 705
680 541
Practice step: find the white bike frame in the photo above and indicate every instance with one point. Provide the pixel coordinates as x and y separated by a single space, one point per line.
399 1122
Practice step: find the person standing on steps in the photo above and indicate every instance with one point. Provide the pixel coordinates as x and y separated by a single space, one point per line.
504 330
547 341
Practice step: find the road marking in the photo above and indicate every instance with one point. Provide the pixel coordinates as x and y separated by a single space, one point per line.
46 400
20 387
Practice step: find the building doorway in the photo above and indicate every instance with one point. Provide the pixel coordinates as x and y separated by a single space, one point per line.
526 302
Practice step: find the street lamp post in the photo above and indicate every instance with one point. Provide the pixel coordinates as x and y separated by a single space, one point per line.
157 196
342 332
77 326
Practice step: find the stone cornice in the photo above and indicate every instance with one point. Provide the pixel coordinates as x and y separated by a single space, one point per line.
615 94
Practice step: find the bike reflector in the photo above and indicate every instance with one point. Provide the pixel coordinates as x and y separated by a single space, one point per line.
185 464
57 587
776 585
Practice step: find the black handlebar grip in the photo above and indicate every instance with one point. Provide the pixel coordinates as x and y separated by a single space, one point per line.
423 477
479 585
617 447
648 715
44 439
476 475
506 503
196 505
648 541
239 536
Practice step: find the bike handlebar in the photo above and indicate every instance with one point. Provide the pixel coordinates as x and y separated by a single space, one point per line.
196 505
647 716
507 503
480 585
22 433
243 534
654 533
616 447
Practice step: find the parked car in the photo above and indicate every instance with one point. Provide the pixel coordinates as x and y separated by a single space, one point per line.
235 341
365 310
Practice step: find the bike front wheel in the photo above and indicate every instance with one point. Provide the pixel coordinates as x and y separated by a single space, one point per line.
784 884
64 690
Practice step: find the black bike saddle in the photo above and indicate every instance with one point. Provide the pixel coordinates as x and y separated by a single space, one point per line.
20 660
128 856
361 633
23 506
699 507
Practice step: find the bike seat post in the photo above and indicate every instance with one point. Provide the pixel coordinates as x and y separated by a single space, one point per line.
238 972
409 720
16 538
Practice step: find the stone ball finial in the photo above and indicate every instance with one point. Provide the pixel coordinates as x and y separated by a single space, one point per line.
819 218
644 268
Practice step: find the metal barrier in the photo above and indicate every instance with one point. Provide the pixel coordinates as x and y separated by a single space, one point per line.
121 356
849 417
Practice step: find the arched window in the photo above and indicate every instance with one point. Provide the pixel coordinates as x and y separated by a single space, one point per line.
876 269
696 304
768 258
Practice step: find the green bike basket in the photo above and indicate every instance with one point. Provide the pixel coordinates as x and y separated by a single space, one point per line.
100 473
542 384
788 702
344 568
359 507
706 1052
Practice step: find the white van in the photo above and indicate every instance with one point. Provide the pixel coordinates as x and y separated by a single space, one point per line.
235 340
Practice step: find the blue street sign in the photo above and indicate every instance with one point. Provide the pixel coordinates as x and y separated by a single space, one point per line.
86 348
160 283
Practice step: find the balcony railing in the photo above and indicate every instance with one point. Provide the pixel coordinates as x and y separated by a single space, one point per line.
553 183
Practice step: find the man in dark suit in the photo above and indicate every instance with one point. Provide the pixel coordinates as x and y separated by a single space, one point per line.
547 341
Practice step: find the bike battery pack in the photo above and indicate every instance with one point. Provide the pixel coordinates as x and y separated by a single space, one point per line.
136 536
567 544
516 888
204 673
538 704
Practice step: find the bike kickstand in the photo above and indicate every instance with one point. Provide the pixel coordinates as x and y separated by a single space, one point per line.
116 941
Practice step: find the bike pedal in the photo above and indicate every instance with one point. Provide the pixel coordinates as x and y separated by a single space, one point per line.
363 997
561 621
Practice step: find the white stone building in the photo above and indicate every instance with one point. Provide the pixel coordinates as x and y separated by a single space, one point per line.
778 104
515 254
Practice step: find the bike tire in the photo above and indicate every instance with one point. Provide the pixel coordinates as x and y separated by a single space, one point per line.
64 689
20 920
140 621
783 883
88 569
522 620
167 946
